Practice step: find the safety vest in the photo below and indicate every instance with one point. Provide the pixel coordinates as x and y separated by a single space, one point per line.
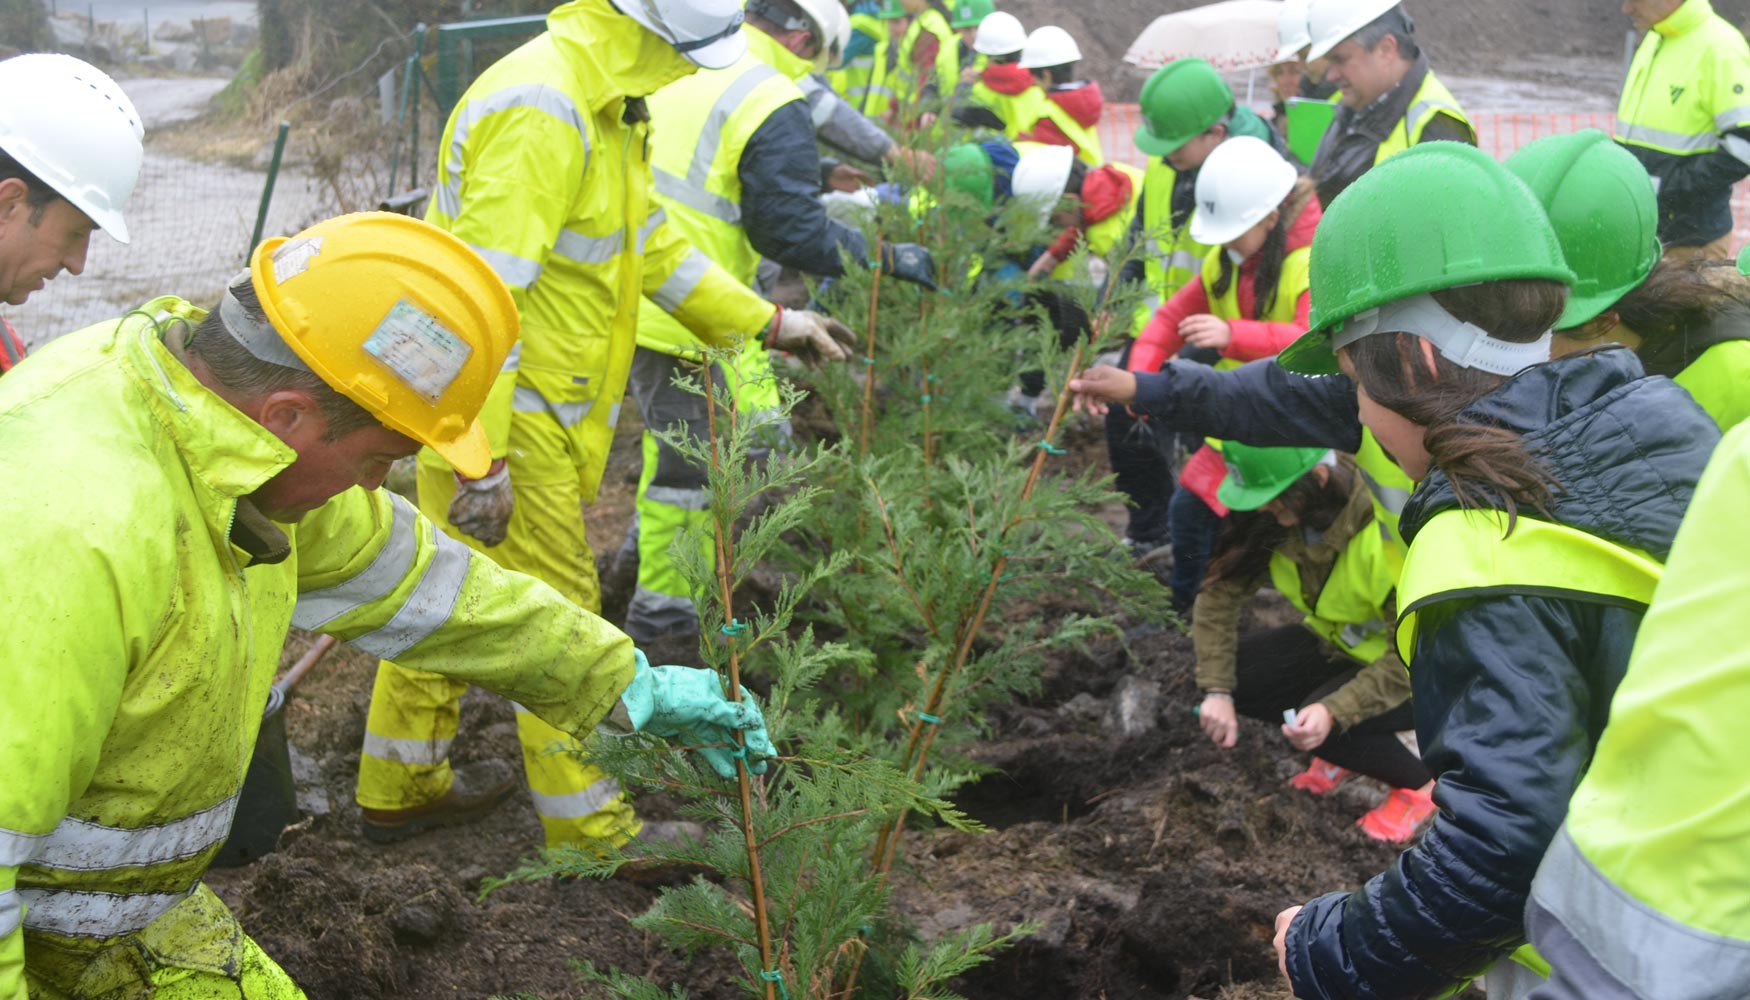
1686 85
1389 486
1171 258
1431 99
1461 553
1350 609
947 76
1294 282
1648 873
863 80
1088 148
1719 381
1018 111
1104 235
540 172
707 120
132 723
11 348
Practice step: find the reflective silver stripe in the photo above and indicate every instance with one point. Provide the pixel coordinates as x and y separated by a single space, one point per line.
11 911
513 360
577 805
575 246
517 272
1674 141
523 95
428 607
1651 953
649 601
17 848
427 752
1732 117
674 496
681 283
1184 260
698 199
1389 497
614 415
81 846
1420 109
373 583
526 400
95 914
657 218
1356 633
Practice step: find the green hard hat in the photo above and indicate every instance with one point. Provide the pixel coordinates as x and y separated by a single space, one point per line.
1180 102
968 168
968 13
1439 215
1605 213
1256 476
891 10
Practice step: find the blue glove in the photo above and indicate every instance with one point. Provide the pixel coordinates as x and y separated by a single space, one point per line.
687 703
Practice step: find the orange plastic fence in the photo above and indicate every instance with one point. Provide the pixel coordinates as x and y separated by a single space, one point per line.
1499 134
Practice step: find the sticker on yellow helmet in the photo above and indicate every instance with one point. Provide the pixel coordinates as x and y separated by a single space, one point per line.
418 349
294 258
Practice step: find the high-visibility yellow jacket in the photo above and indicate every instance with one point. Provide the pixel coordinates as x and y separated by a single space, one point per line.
1646 889
1720 382
137 660
707 121
540 172
1171 258
1431 100
853 79
947 69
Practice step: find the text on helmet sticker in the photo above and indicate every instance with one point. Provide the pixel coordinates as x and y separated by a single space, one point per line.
293 258
417 349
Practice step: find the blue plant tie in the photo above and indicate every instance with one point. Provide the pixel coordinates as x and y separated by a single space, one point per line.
1051 449
774 976
734 628
925 398
934 720
868 361
738 751
932 377
1005 578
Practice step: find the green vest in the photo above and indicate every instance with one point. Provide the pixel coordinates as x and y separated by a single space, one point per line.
707 119
1432 99
1171 258
947 75
1350 610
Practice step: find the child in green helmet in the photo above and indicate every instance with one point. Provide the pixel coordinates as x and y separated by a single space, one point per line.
1547 493
1301 519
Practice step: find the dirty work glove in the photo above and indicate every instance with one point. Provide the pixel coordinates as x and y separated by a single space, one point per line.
481 508
686 705
909 262
811 335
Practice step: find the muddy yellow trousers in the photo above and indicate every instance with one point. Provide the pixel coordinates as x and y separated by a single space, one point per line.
196 950
414 714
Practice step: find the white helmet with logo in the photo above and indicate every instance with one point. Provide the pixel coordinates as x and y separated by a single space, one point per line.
1243 180
1329 22
1000 34
67 122
706 32
1049 46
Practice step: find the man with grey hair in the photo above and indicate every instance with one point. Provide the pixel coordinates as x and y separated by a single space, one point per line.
1391 99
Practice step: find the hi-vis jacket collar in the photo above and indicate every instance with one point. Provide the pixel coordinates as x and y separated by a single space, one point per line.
1464 344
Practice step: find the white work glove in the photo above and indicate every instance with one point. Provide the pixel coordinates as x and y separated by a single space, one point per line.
481 508
811 336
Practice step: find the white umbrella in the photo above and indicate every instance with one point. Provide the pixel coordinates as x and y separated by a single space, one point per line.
1232 35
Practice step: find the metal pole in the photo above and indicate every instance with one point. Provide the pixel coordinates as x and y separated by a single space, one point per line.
273 173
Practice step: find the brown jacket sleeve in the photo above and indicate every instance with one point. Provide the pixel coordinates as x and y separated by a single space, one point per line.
1215 631
1378 688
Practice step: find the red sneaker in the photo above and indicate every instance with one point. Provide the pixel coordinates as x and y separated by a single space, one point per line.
1397 819
1320 778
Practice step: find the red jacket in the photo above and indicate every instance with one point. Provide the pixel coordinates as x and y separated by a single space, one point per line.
1252 339
11 348
1008 79
1082 100
1105 193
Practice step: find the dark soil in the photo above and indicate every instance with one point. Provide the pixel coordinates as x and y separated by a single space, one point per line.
1154 863
1518 39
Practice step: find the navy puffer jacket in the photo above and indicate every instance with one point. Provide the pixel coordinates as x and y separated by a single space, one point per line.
1511 692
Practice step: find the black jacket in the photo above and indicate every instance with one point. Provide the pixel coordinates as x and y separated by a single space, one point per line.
1257 403
780 197
1511 692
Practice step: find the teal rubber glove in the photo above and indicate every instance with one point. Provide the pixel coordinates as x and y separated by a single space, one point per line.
687 704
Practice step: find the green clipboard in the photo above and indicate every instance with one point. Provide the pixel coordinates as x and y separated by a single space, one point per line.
1307 121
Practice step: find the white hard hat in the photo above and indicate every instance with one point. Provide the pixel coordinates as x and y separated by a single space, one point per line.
1329 22
706 32
829 23
1000 34
76 131
1243 180
1292 33
1049 46
1040 176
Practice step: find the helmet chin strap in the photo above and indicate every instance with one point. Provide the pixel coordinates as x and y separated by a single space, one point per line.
259 339
1463 344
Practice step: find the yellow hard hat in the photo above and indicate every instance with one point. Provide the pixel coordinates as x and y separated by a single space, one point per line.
398 316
